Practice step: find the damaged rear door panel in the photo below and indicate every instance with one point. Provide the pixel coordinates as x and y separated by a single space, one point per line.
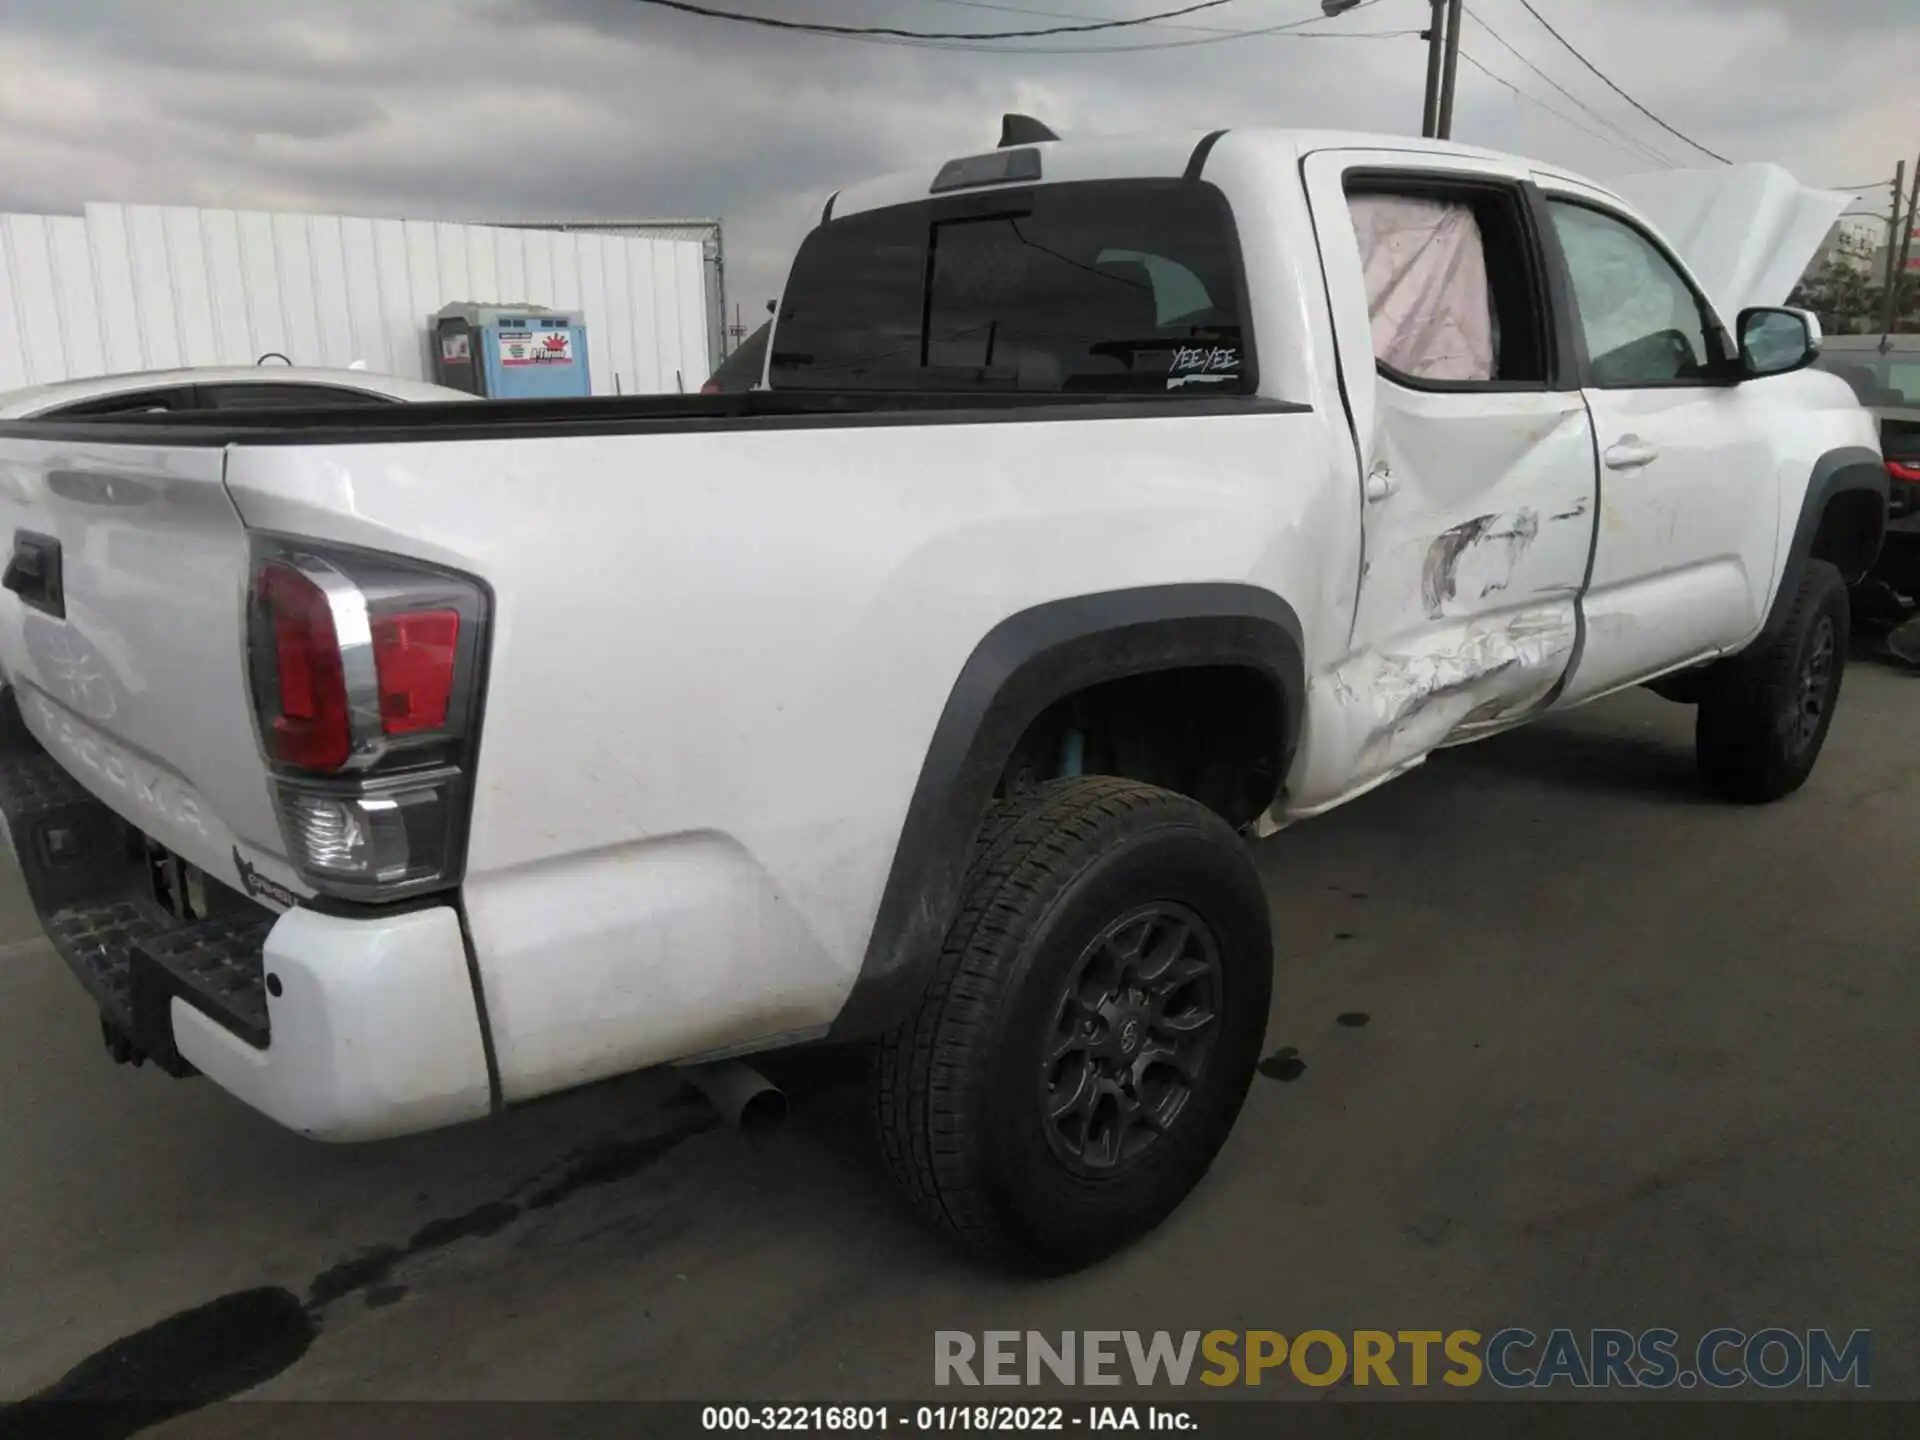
1479 472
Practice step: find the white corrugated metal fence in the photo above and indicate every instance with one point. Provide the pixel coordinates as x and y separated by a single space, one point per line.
148 287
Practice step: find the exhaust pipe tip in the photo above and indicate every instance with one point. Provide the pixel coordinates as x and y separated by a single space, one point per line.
741 1095
764 1113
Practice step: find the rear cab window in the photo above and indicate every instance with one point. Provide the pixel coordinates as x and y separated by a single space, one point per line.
1127 287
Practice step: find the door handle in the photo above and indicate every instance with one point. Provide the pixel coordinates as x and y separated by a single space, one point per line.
1630 453
34 573
1380 484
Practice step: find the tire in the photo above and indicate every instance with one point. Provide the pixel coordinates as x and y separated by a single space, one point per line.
963 1085
1765 718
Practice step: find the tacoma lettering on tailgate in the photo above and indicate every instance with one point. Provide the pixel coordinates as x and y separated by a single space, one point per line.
148 790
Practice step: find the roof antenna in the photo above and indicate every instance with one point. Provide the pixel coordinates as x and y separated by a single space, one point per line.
1023 130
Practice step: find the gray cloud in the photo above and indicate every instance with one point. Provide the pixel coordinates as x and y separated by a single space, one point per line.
525 109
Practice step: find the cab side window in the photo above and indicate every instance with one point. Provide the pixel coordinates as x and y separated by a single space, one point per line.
1455 296
1643 322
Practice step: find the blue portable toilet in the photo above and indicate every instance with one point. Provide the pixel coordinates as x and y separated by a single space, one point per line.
511 352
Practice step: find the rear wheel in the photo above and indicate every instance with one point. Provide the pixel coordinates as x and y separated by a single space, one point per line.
1090 1029
1765 717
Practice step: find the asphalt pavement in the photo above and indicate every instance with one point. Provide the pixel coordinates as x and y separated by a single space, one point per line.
1555 1041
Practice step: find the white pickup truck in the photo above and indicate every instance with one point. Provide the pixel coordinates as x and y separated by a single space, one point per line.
1107 503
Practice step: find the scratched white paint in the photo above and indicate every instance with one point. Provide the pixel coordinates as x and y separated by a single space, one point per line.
1478 524
1384 710
1403 704
145 287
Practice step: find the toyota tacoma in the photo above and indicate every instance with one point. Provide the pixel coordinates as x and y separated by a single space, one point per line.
1106 505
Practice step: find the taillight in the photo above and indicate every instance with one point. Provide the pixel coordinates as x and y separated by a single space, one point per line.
1904 470
366 688
413 658
305 724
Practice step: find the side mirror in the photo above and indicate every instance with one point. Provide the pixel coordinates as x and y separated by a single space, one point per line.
1777 341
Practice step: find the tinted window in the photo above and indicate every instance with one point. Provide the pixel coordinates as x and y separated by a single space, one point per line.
1114 287
137 402
1876 379
1642 320
286 397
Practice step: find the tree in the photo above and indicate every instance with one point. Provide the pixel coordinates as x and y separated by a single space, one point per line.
1839 294
1847 290
1849 301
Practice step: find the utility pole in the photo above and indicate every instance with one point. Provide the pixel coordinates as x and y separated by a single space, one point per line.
1436 38
1894 291
1893 242
1443 61
1444 130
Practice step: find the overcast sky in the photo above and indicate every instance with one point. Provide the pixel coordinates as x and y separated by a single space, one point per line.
582 109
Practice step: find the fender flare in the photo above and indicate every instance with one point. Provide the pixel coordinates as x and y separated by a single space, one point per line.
1025 664
1852 468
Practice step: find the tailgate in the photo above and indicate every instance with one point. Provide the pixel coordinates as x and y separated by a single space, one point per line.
124 638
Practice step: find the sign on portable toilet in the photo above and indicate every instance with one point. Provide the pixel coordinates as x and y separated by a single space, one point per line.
509 352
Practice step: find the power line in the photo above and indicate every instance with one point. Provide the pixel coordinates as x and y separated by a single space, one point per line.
1285 32
1572 50
815 27
1065 15
1290 30
1648 150
1560 115
1213 35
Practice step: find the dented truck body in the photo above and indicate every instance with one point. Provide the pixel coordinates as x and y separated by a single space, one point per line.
747 670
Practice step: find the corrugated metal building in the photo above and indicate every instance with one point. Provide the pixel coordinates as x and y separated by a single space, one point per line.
143 287
710 234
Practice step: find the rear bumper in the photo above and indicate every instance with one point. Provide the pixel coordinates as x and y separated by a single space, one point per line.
341 1028
374 1030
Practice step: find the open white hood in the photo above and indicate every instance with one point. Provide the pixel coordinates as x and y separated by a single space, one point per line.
1748 232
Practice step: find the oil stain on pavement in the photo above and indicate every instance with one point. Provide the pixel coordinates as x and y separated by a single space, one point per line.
230 1345
1284 1065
